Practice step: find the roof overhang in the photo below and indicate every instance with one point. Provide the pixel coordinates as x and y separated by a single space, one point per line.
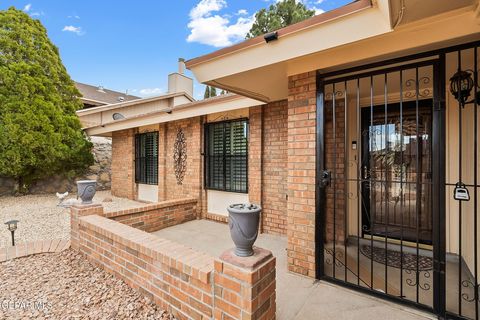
130 103
92 102
357 33
221 103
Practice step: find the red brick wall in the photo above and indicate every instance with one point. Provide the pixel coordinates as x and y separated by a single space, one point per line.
78 211
192 182
162 161
123 156
177 278
215 217
334 161
245 292
123 173
154 217
267 163
301 173
275 169
255 154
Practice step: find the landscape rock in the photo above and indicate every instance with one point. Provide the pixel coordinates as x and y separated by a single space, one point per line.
66 286
42 219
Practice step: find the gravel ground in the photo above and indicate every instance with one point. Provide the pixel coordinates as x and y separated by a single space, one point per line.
41 218
66 286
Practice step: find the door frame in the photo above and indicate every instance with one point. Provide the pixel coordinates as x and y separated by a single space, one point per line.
438 171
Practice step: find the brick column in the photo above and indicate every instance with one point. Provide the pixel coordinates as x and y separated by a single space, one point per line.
123 158
301 173
244 288
162 158
255 155
78 211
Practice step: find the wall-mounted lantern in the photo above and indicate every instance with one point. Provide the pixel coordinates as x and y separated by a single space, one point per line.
461 85
12 226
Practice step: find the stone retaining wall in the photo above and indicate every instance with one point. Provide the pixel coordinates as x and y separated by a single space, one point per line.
99 171
187 283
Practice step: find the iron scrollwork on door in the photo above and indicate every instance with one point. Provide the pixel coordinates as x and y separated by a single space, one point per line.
180 156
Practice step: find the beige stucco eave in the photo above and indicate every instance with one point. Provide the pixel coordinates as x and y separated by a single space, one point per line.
366 22
364 36
204 107
130 103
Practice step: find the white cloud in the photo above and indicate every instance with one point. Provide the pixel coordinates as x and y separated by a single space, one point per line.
206 7
77 30
150 91
28 9
215 29
73 17
242 12
37 14
318 10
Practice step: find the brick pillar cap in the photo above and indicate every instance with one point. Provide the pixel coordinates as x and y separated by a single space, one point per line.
258 258
86 206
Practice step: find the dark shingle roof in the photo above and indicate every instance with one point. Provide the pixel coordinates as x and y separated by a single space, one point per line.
93 93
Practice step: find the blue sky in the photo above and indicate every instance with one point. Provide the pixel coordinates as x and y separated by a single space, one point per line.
134 45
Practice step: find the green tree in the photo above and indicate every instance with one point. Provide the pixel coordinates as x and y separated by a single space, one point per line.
213 92
206 95
279 15
40 134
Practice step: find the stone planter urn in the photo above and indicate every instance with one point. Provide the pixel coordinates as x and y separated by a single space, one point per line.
243 220
86 190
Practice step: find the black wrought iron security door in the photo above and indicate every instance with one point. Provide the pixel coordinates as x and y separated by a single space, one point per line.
398 180
462 179
376 183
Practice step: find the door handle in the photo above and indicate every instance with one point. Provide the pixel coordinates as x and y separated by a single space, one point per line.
326 178
365 173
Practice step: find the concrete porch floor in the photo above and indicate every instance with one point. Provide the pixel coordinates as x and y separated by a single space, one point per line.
297 297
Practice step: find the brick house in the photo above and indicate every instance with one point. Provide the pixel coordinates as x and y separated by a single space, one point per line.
356 130
145 134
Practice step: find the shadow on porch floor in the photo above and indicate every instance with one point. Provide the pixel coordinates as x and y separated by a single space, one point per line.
297 297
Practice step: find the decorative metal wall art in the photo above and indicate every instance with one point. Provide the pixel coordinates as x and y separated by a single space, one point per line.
180 156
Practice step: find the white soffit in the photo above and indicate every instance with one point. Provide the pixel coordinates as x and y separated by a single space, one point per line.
190 110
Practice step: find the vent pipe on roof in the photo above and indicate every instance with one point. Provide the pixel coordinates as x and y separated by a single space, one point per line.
181 65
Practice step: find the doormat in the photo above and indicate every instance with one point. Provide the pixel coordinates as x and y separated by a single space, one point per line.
394 258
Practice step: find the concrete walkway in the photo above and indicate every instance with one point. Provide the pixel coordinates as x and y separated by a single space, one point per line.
297 297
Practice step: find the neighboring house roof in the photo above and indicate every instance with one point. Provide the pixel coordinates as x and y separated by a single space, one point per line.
97 95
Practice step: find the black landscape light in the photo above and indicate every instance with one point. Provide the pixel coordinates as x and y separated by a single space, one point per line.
272 36
461 85
12 226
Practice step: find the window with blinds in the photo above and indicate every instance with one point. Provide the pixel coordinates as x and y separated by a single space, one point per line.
226 156
146 158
